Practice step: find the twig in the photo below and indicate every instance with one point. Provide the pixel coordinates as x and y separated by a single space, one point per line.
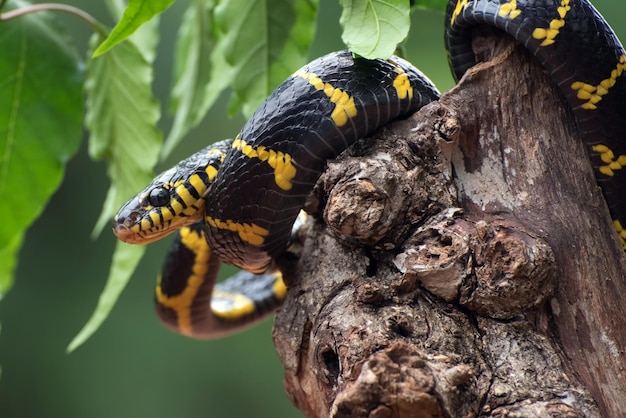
56 7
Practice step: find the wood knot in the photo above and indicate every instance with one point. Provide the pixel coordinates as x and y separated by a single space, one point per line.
358 210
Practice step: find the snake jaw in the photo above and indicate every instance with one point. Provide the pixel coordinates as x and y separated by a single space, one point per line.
132 223
127 223
129 230
139 222
123 233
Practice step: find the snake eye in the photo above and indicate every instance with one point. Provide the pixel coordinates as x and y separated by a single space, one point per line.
159 197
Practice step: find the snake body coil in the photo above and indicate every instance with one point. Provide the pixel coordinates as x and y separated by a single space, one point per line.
281 151
237 200
585 60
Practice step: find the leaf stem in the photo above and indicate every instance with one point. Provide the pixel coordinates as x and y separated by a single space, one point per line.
51 7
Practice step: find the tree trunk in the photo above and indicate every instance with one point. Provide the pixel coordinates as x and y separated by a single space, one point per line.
461 263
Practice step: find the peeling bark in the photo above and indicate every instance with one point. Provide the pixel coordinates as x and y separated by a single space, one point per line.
457 264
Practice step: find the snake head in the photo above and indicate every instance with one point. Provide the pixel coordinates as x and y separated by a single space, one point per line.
167 204
175 198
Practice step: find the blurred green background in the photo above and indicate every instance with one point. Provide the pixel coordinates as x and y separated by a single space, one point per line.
134 367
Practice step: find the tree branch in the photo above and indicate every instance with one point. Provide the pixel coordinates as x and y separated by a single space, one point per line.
457 270
52 7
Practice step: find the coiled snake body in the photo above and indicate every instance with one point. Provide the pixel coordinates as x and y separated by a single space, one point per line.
236 201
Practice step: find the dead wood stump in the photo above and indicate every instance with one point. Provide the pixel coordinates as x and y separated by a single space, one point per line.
454 268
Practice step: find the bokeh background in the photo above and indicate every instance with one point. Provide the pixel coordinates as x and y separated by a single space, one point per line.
134 367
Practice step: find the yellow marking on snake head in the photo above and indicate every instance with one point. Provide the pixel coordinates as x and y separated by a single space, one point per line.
197 183
144 225
167 214
281 163
549 34
176 206
211 172
181 303
155 217
250 233
184 194
509 10
344 103
172 200
591 94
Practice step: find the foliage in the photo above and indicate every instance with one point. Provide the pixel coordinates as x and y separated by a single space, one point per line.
249 46
40 123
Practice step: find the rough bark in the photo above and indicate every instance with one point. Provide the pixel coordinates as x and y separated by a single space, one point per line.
461 263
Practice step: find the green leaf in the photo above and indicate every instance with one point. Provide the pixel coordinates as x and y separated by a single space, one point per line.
263 41
125 261
146 37
259 43
136 14
40 122
8 260
374 28
432 4
192 72
122 117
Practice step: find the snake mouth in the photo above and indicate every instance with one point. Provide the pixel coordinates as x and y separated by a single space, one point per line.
127 235
125 225
128 229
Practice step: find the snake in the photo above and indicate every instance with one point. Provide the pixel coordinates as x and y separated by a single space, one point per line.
236 201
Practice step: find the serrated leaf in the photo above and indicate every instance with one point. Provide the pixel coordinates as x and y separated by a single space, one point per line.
263 41
221 78
40 122
192 72
240 26
125 261
136 14
121 116
374 28
146 37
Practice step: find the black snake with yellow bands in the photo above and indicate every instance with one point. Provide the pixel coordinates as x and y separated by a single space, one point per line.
584 59
237 200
